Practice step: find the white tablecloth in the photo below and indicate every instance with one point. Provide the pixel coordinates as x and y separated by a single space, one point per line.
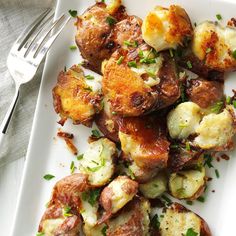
14 16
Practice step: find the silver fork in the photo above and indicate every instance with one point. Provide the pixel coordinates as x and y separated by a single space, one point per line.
27 53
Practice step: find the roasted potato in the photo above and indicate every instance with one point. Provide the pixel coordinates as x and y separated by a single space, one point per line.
106 121
97 230
92 35
132 220
216 131
155 187
165 28
73 98
141 82
143 140
117 194
178 221
183 120
204 93
97 162
187 184
215 45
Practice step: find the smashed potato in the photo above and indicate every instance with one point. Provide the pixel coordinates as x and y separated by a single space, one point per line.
143 140
187 184
165 28
73 98
133 220
94 230
183 120
117 194
216 131
215 45
97 162
178 220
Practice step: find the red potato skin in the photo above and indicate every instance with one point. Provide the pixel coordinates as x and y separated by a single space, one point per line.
205 93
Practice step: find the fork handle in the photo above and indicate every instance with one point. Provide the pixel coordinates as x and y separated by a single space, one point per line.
8 116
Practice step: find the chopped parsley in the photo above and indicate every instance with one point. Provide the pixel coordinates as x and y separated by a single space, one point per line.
190 203
234 103
217 107
88 89
89 77
187 146
66 211
40 234
191 232
148 60
131 44
114 113
218 16
73 13
208 160
201 199
48 177
132 64
208 50
91 196
164 197
155 222
94 169
228 100
96 133
72 47
120 60
104 230
110 20
80 157
189 64
141 54
131 173
234 54
72 167
217 174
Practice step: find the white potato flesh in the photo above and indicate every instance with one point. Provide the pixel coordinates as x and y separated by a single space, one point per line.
165 28
184 120
187 184
177 223
97 162
89 212
154 188
50 225
215 44
216 130
93 231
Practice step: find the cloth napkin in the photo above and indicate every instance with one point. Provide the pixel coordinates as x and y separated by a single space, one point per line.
15 15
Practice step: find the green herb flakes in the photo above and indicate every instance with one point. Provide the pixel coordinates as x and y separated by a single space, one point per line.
96 133
73 13
208 50
234 54
89 77
234 103
191 232
66 211
131 44
132 64
228 100
190 203
217 174
110 20
73 47
218 16
189 65
104 230
201 199
187 146
155 223
120 60
217 107
80 157
72 167
40 234
48 177
208 160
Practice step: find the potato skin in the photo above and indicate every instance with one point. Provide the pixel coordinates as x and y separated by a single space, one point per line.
143 140
204 93
72 99
177 209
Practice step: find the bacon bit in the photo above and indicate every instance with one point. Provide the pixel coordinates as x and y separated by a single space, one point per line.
62 121
71 146
65 135
225 157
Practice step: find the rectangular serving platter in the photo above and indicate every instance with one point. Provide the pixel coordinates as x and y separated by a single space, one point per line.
48 155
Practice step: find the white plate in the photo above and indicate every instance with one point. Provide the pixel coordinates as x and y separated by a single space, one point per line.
47 154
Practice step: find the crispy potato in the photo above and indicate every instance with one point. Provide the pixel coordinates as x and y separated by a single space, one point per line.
97 162
165 28
155 187
92 35
143 140
215 45
178 220
133 220
74 99
117 194
183 120
216 131
204 93
149 83
187 184
106 121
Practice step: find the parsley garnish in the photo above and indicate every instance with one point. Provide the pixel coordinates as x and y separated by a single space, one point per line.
40 234
91 196
132 64
234 54
113 113
110 20
208 50
48 177
189 64
119 61
66 211
187 146
131 44
201 199
104 230
228 100
217 174
219 17
234 103
190 203
88 89
96 133
73 47
141 54
131 173
80 157
191 232
155 222
89 77
72 167
148 60
73 13
164 197
217 107
208 160
94 169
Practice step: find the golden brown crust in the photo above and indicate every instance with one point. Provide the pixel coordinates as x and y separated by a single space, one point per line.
149 135
205 93
73 98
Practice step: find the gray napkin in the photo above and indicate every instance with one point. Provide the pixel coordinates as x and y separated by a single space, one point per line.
15 15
